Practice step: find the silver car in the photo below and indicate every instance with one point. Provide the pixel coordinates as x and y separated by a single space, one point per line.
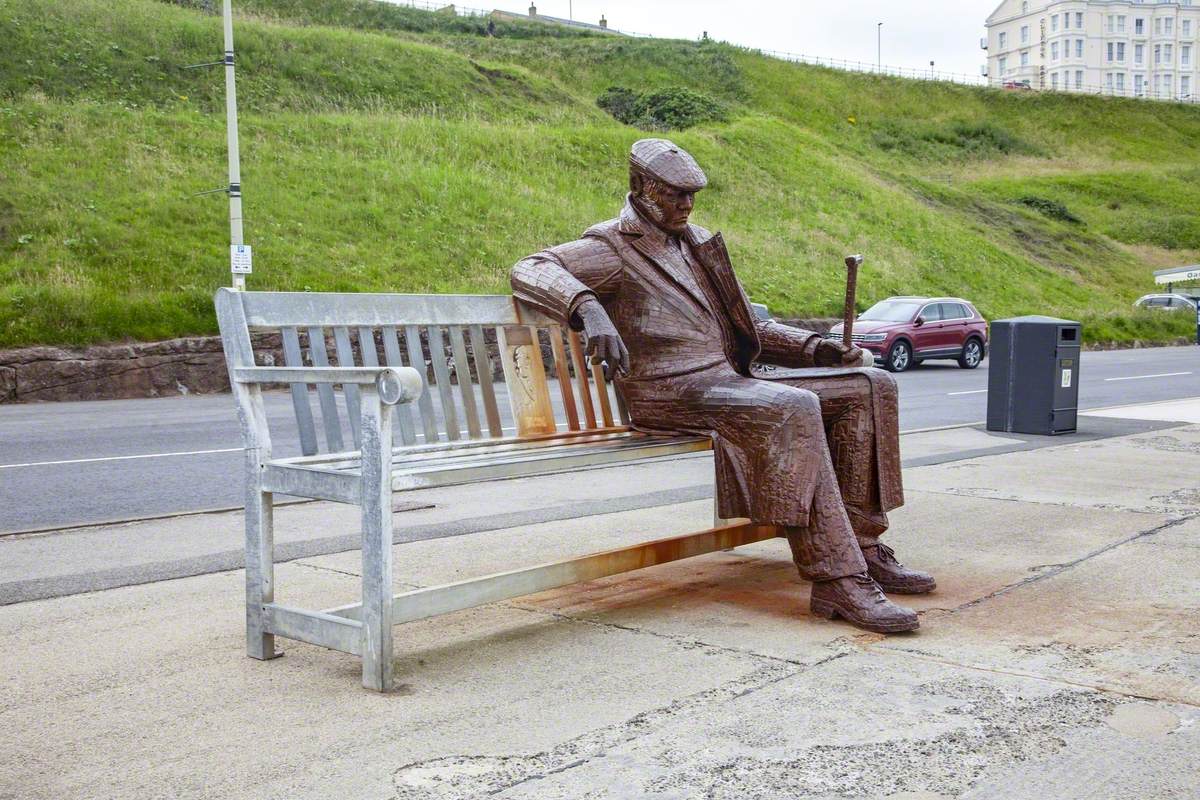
1167 302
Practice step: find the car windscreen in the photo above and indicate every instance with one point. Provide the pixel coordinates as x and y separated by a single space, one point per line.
890 311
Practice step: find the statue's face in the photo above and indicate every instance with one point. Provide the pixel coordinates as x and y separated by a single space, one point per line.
674 206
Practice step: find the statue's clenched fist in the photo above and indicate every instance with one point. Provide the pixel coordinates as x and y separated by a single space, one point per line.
604 344
831 353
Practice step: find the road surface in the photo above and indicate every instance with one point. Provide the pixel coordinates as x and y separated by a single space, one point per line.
65 464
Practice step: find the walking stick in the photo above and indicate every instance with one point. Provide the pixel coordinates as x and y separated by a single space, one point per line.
852 265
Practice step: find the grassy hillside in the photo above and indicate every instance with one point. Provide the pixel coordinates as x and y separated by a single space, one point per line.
391 149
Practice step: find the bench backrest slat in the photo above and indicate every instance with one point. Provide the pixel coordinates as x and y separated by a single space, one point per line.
345 356
441 374
328 402
466 389
416 360
562 371
483 368
391 356
448 339
294 357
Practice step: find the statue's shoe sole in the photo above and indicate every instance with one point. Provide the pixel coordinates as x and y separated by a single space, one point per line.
828 610
912 587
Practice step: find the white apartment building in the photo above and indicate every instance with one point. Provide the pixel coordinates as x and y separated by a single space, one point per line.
1132 48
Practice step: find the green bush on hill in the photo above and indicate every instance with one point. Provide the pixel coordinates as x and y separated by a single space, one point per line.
674 108
386 148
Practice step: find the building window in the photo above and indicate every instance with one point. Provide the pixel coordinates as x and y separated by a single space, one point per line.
1121 82
1139 85
1168 53
1054 81
1139 54
1185 56
1187 28
1111 21
1025 7
1139 27
1108 81
1025 58
1157 54
1078 79
1121 52
1185 86
1003 41
1079 20
1024 34
1158 27
1054 51
1066 24
1002 64
1079 48
1111 50
1168 85
1169 25
1157 85
1054 23
1121 24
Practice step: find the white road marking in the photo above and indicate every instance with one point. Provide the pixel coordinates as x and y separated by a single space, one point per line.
973 391
118 458
1140 377
134 457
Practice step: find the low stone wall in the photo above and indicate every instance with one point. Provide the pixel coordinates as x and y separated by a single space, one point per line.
194 365
111 372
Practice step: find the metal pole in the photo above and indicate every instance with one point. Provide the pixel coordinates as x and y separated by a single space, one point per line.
879 47
231 124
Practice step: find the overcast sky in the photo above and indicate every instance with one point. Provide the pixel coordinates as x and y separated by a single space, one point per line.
915 32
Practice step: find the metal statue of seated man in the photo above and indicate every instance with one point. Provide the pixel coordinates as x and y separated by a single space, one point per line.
814 452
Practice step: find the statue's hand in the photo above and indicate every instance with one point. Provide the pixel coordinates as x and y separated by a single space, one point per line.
831 353
604 344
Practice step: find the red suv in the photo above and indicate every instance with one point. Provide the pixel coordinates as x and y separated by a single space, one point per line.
903 331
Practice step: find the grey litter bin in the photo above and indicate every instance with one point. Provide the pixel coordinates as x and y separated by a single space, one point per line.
1033 375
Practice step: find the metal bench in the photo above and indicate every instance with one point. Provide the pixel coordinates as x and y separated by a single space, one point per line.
398 441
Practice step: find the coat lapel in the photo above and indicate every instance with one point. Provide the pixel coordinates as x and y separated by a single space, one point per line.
651 243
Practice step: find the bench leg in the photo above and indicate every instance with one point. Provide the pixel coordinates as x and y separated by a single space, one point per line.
376 541
260 561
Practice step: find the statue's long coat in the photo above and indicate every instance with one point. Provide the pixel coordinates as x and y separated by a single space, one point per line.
692 337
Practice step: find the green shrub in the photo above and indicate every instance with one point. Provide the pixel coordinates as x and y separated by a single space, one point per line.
674 108
955 140
1050 208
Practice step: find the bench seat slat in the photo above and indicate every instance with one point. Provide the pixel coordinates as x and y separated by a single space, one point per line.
438 448
337 481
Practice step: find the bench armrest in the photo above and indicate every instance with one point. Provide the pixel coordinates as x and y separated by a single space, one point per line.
394 384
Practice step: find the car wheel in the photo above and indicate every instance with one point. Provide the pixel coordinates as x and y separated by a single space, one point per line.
899 358
972 354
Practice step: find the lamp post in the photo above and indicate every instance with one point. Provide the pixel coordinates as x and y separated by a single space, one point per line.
879 47
239 253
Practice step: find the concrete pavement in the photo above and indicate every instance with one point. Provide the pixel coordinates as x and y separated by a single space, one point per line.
1059 658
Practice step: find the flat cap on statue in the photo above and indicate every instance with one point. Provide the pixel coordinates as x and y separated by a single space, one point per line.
666 161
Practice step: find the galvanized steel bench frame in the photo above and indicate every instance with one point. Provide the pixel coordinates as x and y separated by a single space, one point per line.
378 403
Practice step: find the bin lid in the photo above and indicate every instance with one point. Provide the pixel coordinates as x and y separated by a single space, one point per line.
1034 319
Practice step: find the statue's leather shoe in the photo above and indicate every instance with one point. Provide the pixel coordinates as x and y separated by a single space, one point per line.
858 600
892 576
